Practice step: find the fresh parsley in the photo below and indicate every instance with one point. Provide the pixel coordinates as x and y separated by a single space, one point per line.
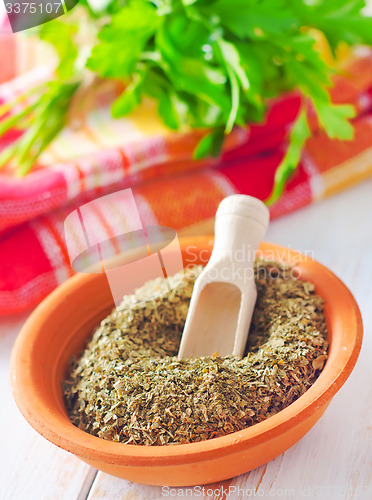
210 64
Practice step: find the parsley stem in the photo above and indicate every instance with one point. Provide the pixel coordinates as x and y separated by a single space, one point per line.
12 120
299 134
8 106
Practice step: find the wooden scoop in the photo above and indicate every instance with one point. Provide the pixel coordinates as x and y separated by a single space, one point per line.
224 294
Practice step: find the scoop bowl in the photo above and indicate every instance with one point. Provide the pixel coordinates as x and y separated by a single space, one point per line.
61 325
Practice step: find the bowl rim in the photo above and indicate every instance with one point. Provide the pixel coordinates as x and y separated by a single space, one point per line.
64 434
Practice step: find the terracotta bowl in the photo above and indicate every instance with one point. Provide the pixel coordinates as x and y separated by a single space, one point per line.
60 326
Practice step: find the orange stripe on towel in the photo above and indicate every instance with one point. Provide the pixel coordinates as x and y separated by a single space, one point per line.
81 178
124 161
180 201
106 227
60 243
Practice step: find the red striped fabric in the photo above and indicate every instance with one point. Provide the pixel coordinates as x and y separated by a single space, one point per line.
169 188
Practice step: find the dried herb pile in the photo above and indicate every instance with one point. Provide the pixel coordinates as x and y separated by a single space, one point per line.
129 386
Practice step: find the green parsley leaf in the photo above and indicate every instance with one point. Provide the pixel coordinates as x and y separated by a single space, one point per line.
335 119
299 134
209 64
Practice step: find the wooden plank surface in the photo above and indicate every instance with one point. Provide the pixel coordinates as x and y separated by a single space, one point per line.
333 461
31 467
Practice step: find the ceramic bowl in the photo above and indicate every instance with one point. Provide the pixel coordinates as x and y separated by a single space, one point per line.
61 325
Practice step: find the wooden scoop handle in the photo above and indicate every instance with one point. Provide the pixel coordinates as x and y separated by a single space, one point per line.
225 293
241 223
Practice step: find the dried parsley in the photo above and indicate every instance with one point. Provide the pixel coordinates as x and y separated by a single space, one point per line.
129 386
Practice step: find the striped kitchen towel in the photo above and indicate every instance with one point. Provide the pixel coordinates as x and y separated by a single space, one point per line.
106 155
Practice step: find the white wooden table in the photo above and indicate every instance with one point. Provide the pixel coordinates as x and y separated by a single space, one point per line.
333 461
